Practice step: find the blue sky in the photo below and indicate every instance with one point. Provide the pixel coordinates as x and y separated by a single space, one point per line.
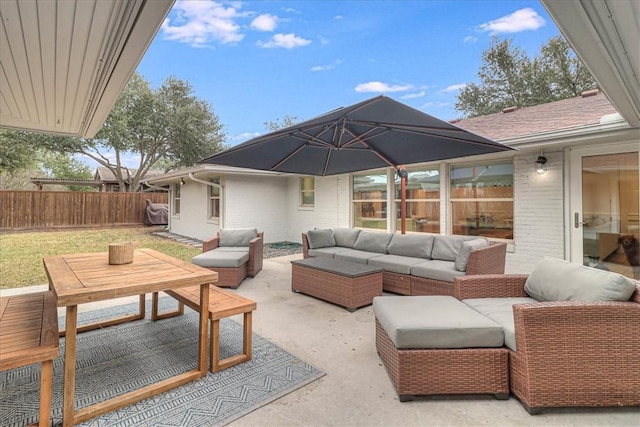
257 61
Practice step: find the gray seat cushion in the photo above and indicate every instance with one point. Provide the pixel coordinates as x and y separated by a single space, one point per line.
436 270
233 249
500 310
557 280
237 236
411 245
395 263
435 322
345 237
354 255
370 241
328 252
223 259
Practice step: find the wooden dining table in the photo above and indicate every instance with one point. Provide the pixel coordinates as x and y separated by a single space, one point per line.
83 278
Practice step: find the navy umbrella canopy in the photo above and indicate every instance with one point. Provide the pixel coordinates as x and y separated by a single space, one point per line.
376 133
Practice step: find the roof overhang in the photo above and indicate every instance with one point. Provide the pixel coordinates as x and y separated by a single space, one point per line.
605 36
209 170
64 63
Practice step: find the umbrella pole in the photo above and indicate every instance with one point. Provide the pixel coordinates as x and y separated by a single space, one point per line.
403 201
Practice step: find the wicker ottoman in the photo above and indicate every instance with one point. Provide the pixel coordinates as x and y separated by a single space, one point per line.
348 284
437 345
230 266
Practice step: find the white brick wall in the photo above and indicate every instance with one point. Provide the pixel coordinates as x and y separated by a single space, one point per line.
538 212
192 220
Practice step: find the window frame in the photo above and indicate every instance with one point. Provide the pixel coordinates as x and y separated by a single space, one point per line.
384 199
398 200
175 199
211 198
452 200
302 191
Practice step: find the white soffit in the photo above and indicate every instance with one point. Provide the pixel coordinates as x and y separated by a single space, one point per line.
606 35
63 63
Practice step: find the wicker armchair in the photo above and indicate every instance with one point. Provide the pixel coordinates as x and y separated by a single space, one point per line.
569 354
256 252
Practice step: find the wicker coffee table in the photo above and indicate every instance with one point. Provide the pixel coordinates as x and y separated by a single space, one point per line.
348 284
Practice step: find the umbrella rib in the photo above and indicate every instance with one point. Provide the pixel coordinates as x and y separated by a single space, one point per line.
274 167
366 144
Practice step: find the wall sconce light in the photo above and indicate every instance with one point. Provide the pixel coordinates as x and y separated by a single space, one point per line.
181 181
402 173
541 162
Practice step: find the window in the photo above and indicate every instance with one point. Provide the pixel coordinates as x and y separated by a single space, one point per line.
370 201
307 192
176 199
214 200
423 201
482 200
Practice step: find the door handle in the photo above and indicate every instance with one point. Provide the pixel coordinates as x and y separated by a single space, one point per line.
577 222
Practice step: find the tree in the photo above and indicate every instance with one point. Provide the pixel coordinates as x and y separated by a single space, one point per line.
16 154
64 166
281 123
168 126
508 77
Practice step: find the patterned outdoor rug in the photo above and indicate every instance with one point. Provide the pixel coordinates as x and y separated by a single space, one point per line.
118 359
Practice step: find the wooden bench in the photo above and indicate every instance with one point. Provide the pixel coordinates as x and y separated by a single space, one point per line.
29 334
222 303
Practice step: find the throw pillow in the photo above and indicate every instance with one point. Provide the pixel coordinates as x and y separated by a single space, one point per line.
411 245
370 241
557 280
320 238
446 248
345 237
462 259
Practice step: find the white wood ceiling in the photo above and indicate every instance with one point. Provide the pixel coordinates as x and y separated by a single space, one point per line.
63 63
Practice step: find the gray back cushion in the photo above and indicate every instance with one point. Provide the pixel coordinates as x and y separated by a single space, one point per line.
462 259
237 236
558 280
446 248
320 238
372 242
345 237
412 245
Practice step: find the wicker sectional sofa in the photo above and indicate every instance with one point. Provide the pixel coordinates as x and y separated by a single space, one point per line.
571 337
413 264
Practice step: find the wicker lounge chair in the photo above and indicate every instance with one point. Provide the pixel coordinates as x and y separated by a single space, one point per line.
233 255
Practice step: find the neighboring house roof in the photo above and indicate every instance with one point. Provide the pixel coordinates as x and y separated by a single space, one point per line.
105 174
588 109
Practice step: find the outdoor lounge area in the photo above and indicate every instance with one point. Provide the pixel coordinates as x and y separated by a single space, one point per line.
357 386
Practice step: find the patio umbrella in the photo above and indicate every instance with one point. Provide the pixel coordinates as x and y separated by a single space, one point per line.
376 133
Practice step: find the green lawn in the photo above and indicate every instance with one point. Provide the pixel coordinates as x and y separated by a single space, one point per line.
21 253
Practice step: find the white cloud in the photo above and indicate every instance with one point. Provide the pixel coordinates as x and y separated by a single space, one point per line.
264 22
338 17
199 23
245 136
287 41
453 88
328 66
382 87
414 95
520 20
470 39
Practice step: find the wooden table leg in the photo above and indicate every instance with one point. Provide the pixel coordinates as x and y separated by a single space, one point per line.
46 390
68 397
246 346
214 351
204 317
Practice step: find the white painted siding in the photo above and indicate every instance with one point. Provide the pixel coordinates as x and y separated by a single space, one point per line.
331 206
192 220
538 212
257 202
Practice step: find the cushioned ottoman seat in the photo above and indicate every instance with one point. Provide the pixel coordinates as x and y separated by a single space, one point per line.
438 345
231 266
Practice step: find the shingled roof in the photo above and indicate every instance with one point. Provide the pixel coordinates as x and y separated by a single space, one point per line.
566 114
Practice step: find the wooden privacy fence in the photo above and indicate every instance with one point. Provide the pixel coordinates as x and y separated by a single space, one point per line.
60 209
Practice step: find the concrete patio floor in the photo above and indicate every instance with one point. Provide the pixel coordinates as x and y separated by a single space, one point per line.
356 390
